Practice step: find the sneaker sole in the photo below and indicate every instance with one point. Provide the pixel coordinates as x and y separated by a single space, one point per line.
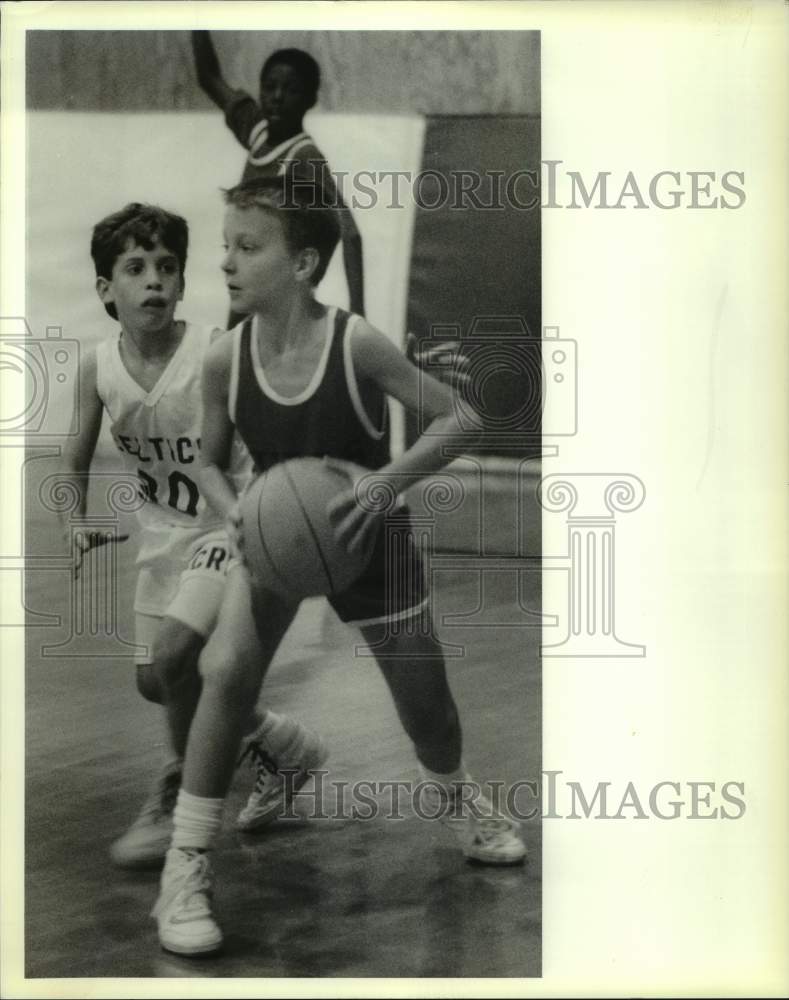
490 859
265 819
498 863
187 952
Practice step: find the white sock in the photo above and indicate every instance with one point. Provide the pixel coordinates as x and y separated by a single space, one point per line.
197 821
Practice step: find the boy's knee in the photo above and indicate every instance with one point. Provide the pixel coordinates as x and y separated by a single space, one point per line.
149 683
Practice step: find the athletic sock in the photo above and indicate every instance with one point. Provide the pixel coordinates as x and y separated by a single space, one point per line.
197 821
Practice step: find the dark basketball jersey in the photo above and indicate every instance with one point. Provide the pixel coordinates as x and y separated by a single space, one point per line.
335 416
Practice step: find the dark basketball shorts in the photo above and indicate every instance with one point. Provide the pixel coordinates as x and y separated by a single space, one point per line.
393 587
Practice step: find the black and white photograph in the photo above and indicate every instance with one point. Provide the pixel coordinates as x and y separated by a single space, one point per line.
381 778
394 457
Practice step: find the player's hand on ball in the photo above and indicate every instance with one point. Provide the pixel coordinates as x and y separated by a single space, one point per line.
352 524
354 521
445 362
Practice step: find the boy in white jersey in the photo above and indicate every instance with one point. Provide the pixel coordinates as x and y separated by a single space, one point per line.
147 379
319 378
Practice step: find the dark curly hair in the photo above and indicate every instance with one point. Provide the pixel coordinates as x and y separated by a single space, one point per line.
143 225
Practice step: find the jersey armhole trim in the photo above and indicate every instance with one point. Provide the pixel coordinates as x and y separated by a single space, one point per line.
257 133
353 385
274 154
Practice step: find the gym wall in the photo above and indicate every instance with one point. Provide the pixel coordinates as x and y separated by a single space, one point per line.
430 72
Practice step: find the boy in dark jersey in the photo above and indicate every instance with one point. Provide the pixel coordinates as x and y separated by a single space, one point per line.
272 131
299 378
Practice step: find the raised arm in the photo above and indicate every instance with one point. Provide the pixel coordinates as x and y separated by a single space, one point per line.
352 258
351 241
209 73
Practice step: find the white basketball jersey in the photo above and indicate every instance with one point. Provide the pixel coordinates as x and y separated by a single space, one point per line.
158 433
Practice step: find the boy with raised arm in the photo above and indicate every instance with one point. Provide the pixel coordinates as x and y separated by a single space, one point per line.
271 129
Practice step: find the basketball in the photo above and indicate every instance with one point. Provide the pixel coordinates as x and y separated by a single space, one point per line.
289 543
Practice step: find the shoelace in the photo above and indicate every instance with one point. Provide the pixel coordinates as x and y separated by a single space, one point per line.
194 882
197 882
263 761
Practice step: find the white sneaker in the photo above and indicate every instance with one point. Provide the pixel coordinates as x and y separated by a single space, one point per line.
279 776
183 909
485 835
146 841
